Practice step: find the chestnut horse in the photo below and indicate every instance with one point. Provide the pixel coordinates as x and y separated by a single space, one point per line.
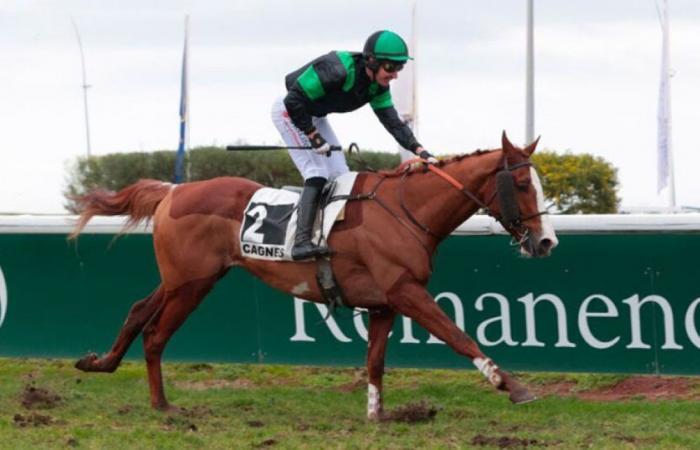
382 251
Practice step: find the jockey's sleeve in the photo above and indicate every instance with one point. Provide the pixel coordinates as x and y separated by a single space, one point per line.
384 109
297 107
323 75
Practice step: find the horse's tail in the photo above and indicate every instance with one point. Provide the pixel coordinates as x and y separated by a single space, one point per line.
137 201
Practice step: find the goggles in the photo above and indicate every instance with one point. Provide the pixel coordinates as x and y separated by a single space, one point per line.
390 66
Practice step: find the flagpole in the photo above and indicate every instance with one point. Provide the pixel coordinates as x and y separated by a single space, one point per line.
414 91
180 158
85 88
188 162
408 110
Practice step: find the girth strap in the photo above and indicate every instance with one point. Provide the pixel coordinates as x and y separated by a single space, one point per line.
330 289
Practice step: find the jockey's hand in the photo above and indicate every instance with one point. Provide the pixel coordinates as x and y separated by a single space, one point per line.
424 154
319 144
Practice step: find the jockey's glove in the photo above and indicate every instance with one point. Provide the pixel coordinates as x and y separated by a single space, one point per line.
424 154
319 144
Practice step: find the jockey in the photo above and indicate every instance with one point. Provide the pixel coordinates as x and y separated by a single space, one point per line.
337 82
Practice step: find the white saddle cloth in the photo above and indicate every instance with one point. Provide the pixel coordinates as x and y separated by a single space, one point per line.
270 220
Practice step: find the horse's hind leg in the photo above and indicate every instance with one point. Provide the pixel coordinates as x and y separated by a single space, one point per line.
141 312
177 305
412 300
380 323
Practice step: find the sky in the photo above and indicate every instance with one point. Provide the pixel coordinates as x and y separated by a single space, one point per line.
597 72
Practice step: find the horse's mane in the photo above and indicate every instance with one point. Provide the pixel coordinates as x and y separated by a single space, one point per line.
417 168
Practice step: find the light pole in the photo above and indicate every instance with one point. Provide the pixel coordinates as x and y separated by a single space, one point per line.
530 78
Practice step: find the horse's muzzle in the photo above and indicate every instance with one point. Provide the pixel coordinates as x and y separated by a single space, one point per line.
545 246
539 246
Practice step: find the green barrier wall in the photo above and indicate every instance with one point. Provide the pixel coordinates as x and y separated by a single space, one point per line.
617 302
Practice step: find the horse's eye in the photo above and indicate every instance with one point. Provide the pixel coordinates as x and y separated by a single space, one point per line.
523 186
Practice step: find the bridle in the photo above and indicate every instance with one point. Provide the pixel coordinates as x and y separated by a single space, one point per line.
511 217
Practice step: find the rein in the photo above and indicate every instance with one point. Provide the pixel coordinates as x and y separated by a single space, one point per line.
505 191
510 217
372 195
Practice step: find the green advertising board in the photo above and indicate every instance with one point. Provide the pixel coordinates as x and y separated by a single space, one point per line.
619 294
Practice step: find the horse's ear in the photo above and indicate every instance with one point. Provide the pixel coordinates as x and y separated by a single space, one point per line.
506 144
530 149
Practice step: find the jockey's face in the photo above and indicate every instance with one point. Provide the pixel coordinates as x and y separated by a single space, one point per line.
388 71
384 77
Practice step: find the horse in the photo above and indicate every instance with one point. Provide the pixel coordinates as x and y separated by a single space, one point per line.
382 251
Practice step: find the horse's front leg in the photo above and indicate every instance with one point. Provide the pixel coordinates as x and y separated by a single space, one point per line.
380 323
411 299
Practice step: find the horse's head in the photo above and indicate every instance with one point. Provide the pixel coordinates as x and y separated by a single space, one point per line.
518 201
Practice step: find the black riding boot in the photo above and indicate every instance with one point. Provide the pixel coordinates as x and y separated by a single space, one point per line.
308 203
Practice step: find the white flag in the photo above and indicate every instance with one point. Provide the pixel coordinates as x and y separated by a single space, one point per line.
664 163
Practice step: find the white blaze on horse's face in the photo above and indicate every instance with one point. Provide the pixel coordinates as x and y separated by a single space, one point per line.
547 239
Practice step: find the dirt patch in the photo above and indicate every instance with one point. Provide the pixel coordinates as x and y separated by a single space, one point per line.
411 413
197 411
34 420
179 423
461 414
650 388
203 385
126 409
359 381
559 389
266 443
29 377
505 442
255 423
646 387
199 367
182 419
38 398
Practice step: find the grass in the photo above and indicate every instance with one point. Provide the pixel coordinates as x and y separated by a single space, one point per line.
254 406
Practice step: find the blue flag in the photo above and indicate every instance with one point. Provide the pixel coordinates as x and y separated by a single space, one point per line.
180 158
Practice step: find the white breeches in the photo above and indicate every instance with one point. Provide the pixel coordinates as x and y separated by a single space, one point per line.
309 163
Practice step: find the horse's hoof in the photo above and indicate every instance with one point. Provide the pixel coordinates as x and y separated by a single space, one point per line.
169 409
375 416
86 362
522 396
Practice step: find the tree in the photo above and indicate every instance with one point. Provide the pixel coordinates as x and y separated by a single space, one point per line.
573 183
271 168
578 184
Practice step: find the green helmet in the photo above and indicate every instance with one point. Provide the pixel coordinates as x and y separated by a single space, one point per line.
386 45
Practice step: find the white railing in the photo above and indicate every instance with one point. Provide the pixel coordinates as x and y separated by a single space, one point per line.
477 225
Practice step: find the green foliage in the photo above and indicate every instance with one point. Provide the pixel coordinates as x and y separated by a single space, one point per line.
573 183
580 183
271 168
